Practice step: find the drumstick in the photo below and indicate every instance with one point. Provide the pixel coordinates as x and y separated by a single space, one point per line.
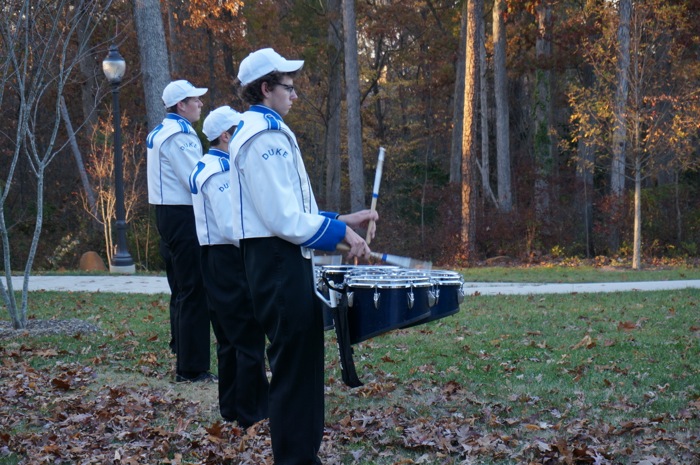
375 193
405 262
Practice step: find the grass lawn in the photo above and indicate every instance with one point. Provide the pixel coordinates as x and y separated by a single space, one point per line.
608 378
560 273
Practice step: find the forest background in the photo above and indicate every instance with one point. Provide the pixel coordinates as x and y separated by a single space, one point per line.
519 128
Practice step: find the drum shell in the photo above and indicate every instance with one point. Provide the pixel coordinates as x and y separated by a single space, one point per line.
392 311
448 294
334 276
449 299
323 289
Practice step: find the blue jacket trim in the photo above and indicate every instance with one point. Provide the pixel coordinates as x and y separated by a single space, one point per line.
184 123
328 235
152 135
240 196
274 120
197 169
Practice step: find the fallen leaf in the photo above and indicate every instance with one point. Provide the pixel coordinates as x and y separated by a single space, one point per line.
626 326
586 342
60 384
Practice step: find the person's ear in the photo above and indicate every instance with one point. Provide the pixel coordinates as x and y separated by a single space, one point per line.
265 88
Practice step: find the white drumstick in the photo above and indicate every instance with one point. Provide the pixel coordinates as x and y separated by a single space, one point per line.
375 193
397 260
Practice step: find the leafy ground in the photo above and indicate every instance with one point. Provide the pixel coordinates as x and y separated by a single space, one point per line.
571 379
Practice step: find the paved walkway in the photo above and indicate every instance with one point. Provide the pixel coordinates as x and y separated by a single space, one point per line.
159 285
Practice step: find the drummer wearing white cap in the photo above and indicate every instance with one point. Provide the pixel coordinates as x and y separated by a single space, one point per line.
173 151
277 221
240 340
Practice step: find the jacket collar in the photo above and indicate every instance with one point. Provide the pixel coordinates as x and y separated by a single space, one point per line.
218 153
178 118
266 111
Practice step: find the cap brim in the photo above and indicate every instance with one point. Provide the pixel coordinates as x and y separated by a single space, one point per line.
197 92
290 66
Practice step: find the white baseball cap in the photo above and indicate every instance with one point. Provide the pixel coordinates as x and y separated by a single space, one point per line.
220 120
178 91
263 62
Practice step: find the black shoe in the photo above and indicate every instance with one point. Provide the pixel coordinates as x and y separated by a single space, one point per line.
203 377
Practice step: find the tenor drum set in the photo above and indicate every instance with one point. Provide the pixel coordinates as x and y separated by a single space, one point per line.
364 301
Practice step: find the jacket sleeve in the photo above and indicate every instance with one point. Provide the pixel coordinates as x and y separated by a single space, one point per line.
331 215
277 193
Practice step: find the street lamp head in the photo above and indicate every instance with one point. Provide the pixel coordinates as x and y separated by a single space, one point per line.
114 65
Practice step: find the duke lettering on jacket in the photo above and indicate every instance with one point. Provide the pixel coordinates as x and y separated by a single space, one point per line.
275 153
223 187
189 144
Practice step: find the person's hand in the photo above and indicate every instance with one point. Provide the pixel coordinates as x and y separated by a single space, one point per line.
361 219
358 246
371 230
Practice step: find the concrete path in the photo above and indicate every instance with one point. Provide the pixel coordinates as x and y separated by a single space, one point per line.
134 284
159 285
577 288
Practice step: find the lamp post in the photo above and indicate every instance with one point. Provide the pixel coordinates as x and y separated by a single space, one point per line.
114 66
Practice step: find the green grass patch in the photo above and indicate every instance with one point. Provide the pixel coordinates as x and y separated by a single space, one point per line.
558 273
606 378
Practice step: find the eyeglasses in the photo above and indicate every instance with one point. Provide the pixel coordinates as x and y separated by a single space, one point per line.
288 88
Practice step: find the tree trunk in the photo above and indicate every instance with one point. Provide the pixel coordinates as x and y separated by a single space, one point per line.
619 138
333 108
90 74
505 197
87 187
458 111
584 175
544 148
352 81
213 49
484 116
586 149
155 73
679 212
474 8
637 250
380 128
174 58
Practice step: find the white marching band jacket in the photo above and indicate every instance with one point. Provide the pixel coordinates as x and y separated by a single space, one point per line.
270 188
173 149
211 199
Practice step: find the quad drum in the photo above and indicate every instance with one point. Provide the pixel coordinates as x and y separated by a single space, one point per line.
332 278
446 295
383 298
380 303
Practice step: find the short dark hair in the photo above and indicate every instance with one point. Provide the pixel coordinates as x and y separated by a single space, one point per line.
217 141
252 93
173 109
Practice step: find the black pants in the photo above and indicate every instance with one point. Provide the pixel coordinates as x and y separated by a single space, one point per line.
243 385
177 230
282 288
172 284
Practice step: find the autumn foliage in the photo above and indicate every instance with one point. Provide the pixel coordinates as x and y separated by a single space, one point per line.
408 57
